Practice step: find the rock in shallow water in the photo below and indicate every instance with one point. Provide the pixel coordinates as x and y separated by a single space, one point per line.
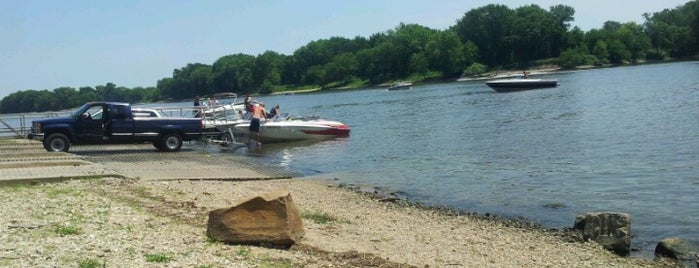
611 230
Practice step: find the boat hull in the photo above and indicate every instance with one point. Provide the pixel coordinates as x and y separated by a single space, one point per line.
401 86
509 85
272 132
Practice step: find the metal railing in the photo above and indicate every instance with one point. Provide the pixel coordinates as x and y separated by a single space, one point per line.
19 125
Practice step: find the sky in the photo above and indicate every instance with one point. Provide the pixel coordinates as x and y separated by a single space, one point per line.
48 44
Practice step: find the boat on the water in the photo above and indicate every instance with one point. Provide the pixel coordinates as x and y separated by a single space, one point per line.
401 85
284 128
517 84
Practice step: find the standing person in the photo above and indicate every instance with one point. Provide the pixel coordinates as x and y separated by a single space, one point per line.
197 112
258 112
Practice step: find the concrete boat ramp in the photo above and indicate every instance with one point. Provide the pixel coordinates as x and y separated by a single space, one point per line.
25 160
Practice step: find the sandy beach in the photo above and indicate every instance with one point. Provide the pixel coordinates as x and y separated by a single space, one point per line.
130 206
124 222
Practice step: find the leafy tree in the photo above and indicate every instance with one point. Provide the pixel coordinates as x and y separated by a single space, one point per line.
635 40
67 96
475 69
572 58
44 101
562 17
489 28
675 31
233 73
343 67
419 64
618 52
601 52
446 53
267 69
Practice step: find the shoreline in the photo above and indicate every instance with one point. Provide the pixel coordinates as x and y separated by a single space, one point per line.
124 221
169 218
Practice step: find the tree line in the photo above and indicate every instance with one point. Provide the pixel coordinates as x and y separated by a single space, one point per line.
487 38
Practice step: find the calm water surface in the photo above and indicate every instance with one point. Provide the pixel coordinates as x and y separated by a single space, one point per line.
621 139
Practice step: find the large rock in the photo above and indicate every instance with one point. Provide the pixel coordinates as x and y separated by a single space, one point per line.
272 218
676 248
611 230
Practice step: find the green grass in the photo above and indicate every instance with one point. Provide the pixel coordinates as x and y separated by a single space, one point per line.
159 258
269 263
55 192
243 251
317 216
358 83
66 230
210 241
91 263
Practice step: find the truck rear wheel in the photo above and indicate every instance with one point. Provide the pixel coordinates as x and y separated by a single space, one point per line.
170 142
57 142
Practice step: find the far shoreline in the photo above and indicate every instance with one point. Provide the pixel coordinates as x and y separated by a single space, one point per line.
510 73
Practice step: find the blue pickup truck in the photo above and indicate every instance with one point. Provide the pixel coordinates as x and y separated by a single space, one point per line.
114 123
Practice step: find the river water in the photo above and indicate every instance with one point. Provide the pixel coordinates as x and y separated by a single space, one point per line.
622 139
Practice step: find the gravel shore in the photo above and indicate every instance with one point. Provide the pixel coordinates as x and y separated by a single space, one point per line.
117 222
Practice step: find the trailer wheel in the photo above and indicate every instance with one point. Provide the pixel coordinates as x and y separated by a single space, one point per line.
171 142
57 142
226 139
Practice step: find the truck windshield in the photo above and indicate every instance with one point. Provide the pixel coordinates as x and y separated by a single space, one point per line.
79 111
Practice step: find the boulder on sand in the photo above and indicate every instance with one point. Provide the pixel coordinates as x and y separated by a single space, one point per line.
271 218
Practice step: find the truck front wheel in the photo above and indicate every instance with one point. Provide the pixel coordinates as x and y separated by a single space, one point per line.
170 142
57 142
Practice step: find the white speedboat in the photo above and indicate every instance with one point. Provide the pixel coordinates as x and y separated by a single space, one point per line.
401 85
285 128
517 84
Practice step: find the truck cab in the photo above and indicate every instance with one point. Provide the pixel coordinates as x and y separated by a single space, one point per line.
114 123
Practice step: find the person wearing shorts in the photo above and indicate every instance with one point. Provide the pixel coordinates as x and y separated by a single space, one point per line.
258 112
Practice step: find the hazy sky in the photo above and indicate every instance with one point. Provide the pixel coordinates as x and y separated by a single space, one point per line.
49 44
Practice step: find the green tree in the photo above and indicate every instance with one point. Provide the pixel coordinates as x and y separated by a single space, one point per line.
635 40
419 64
446 53
475 69
601 52
489 28
575 57
532 34
343 67
674 31
233 73
267 69
67 96
561 38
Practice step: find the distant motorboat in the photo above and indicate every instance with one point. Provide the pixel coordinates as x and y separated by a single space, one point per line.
517 84
401 85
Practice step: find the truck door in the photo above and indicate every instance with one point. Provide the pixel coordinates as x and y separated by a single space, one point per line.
89 126
120 127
